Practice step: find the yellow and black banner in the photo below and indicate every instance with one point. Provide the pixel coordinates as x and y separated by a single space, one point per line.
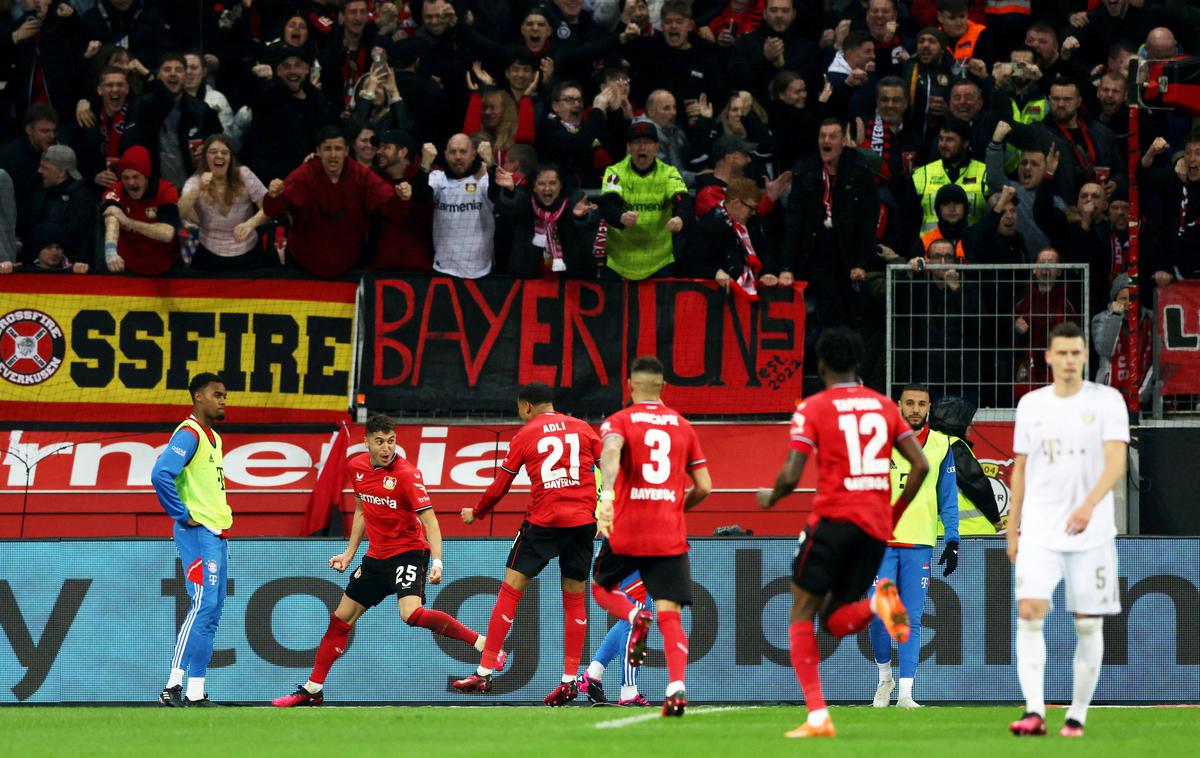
118 349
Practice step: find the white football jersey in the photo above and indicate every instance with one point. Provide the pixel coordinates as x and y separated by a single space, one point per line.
464 224
1063 439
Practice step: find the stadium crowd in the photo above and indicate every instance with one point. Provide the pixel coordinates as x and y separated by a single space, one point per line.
754 142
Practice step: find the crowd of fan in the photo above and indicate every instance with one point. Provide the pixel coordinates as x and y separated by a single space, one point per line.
755 142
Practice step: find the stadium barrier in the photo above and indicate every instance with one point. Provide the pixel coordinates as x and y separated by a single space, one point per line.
978 331
89 620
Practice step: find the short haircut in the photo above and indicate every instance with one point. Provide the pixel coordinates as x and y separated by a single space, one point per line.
1193 137
40 112
952 6
743 188
1063 81
173 56
915 387
544 167
202 380
889 81
834 121
1068 329
114 71
857 38
966 83
562 87
841 348
677 7
330 132
942 240
525 156
1042 27
536 393
647 364
380 422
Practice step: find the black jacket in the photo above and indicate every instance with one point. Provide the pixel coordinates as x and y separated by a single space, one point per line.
716 246
749 70
686 74
855 211
147 31
21 160
72 206
146 115
284 129
576 235
57 49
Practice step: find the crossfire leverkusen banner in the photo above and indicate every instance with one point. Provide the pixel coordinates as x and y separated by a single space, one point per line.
458 346
109 349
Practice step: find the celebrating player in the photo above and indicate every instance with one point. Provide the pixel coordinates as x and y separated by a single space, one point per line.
910 551
852 430
189 480
616 644
402 533
559 453
648 449
1070 443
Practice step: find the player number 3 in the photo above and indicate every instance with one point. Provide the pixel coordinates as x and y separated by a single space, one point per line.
659 468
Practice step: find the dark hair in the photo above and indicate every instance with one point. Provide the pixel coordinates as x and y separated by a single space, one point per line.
330 132
518 54
857 38
678 7
1042 27
1068 329
841 348
526 157
379 422
200 381
915 387
111 71
951 6
781 82
834 121
1062 81
173 56
536 393
647 364
562 87
966 82
547 167
40 112
889 81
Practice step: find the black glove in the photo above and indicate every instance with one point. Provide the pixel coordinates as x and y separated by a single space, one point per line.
949 557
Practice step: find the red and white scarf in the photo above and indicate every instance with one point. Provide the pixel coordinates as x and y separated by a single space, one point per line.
747 279
545 232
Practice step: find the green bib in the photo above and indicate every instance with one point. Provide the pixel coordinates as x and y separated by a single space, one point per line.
201 484
918 525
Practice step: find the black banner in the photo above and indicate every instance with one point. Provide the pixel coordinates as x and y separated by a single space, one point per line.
443 345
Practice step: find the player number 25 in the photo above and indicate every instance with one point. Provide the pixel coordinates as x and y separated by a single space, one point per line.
659 468
550 468
865 460
406 575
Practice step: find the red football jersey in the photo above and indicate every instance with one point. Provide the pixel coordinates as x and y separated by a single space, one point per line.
559 453
851 429
391 497
141 254
660 449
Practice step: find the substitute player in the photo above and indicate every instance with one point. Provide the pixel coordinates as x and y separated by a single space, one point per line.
852 430
189 480
559 453
649 451
1070 442
402 531
910 551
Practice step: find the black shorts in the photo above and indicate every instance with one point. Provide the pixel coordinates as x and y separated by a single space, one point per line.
667 577
837 557
535 546
402 575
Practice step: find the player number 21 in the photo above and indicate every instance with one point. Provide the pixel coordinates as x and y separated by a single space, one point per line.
865 460
550 468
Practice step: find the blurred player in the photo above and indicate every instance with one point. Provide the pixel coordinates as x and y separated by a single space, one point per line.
852 430
1070 442
559 453
616 645
649 450
189 480
402 532
910 551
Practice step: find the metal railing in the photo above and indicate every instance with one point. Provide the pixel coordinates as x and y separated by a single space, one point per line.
979 330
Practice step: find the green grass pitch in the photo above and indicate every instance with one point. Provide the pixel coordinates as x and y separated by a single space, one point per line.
485 732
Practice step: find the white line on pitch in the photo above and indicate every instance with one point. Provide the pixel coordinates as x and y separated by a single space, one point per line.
700 711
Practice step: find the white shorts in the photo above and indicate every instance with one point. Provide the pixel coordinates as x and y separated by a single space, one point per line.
1093 588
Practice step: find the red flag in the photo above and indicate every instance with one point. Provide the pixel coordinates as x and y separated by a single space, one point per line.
327 493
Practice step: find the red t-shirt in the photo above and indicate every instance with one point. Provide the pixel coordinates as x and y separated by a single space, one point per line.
558 452
852 430
391 498
660 449
141 254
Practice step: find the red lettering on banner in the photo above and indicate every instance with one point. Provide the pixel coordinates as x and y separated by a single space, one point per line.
535 332
1179 319
495 321
472 364
573 315
383 326
688 347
